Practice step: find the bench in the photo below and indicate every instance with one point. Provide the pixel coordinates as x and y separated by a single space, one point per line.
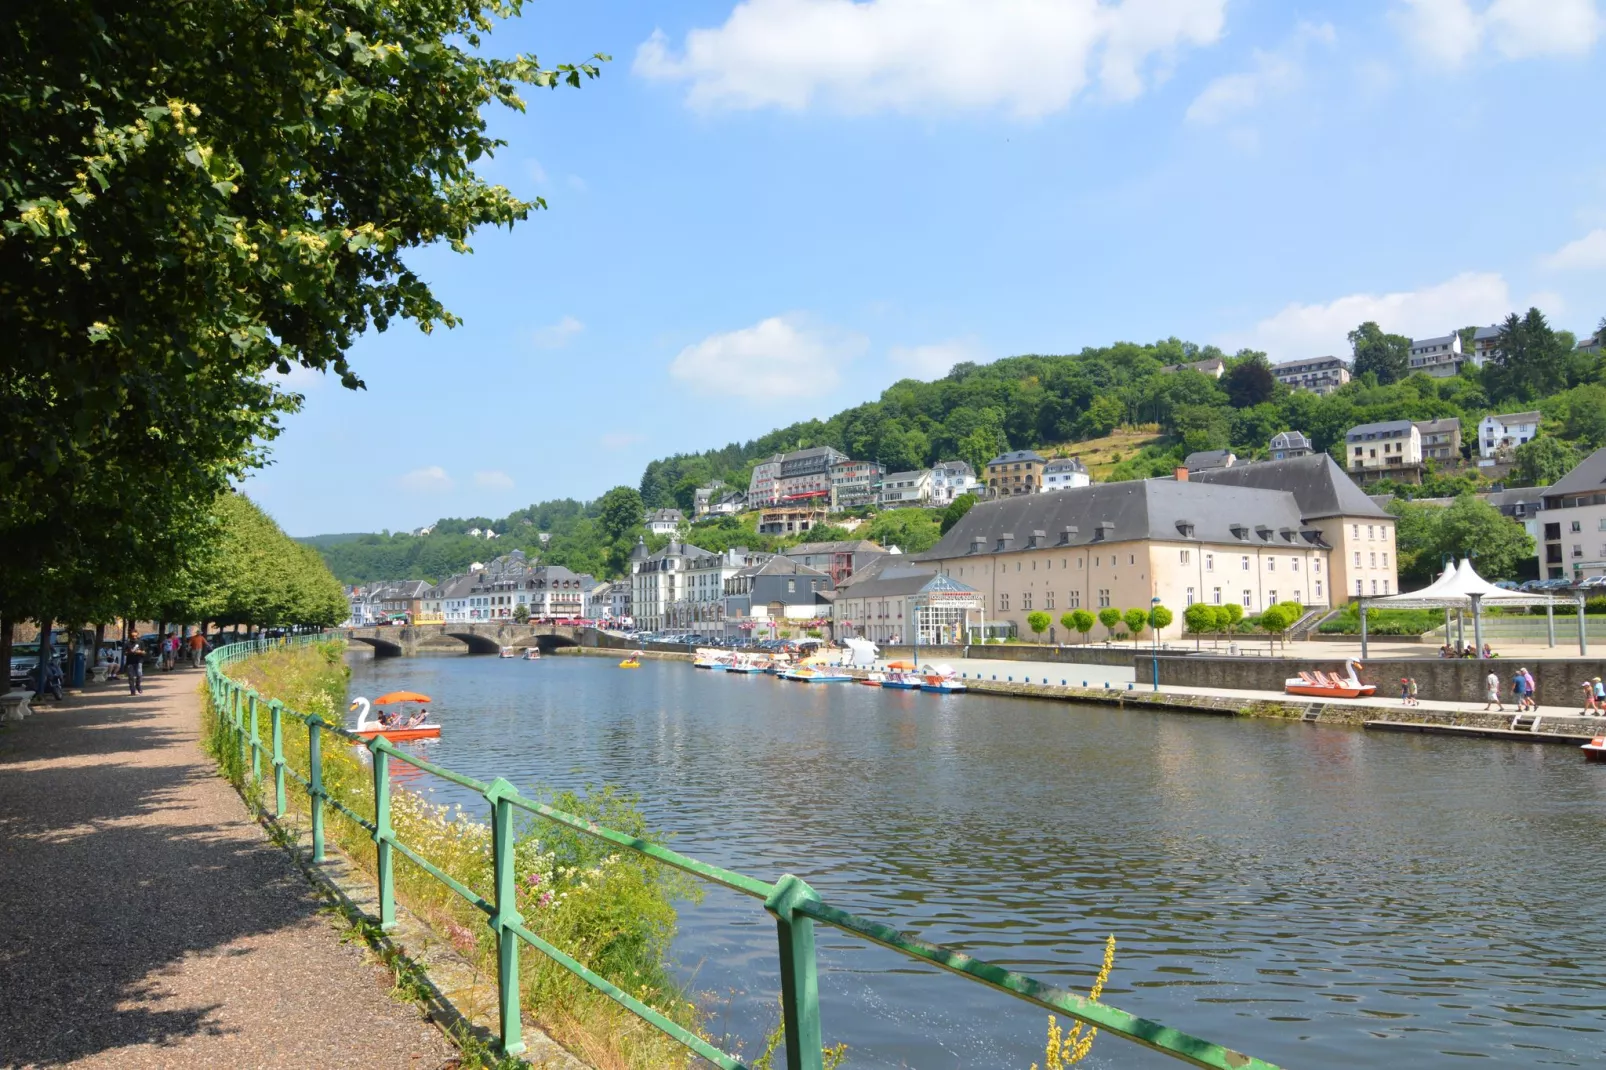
14 705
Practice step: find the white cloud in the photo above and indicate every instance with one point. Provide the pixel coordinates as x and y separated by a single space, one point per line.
556 335
778 359
1029 57
618 440
430 480
936 360
1273 73
537 173
1452 31
1586 254
1300 331
493 480
299 379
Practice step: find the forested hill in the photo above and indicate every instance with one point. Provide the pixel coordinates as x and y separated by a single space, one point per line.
1052 403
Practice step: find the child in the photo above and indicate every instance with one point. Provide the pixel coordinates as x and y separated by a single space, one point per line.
1405 691
1414 700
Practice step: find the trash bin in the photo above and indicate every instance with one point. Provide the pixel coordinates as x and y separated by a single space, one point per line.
1232 649
76 676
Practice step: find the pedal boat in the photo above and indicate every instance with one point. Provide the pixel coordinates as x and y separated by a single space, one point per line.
1330 685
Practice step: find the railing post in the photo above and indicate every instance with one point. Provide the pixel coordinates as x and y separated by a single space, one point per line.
800 989
315 782
506 916
237 698
256 741
382 832
276 717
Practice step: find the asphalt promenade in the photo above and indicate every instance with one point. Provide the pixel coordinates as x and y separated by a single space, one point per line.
147 921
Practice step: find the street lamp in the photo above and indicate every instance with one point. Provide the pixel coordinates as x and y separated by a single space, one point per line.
1155 659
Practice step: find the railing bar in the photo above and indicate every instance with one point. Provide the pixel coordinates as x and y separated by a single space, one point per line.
635 1006
430 767
354 815
735 881
297 777
430 868
1150 1034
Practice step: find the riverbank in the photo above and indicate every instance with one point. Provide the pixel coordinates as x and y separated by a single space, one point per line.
150 923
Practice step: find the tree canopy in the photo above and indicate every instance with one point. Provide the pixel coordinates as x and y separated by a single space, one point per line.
1386 356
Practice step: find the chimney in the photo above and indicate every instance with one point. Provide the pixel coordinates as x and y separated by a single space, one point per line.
1182 474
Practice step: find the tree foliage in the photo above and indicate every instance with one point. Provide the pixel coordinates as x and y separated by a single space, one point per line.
955 511
1543 461
1531 360
1386 356
1427 534
1038 621
1078 620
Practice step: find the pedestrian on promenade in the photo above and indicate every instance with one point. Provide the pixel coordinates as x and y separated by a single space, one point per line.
1491 685
1415 701
134 663
1519 690
1532 691
1589 697
197 649
1600 696
1405 691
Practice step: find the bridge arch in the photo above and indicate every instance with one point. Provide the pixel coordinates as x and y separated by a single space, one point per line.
383 648
477 644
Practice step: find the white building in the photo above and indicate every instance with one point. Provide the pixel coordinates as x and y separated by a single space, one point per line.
1319 375
855 483
1063 473
1286 444
1440 357
700 607
1570 532
950 479
665 521
658 582
762 487
1499 435
1389 444
906 488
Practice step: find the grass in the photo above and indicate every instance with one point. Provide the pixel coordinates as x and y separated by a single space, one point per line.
614 912
1101 455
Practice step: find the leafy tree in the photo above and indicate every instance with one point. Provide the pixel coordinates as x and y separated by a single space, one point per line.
1585 416
982 445
1081 621
1250 381
621 513
1274 621
1233 613
1199 617
956 511
1160 618
911 530
1543 461
1109 616
1530 361
1386 356
1038 622
1472 526
521 613
1136 621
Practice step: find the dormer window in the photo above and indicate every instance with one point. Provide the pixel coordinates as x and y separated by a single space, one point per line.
1038 539
1264 532
1067 533
1004 542
1287 534
1185 528
1239 531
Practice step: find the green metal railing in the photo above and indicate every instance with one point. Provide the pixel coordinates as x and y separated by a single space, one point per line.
795 906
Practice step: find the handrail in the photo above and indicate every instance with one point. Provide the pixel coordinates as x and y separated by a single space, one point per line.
795 905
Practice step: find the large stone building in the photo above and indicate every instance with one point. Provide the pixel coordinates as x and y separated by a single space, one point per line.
805 475
1391 449
896 602
1319 375
778 592
839 560
1015 473
1570 532
855 483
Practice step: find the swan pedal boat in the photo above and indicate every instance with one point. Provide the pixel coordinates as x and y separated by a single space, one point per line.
1330 685
1595 749
942 681
901 681
369 726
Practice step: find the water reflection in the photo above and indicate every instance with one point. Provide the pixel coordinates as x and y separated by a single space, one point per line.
1314 896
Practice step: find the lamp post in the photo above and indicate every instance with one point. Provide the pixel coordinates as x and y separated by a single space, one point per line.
1154 659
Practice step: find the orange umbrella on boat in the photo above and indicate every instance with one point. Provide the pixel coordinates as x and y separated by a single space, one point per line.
901 665
400 696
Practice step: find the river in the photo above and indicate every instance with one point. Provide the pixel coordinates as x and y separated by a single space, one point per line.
1317 897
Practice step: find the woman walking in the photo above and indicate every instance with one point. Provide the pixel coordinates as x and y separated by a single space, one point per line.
134 663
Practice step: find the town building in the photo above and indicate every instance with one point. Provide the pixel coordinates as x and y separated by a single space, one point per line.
1592 344
1204 460
791 518
1500 435
1125 545
805 475
1364 559
1485 345
665 521
703 499
778 592
658 582
762 485
397 600
855 483
1010 474
950 479
1063 473
1391 449
1319 375
1214 367
1287 444
903 599
1570 534
454 594
1441 440
700 607
906 488
1440 357
839 560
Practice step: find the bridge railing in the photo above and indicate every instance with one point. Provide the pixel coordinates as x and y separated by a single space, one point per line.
795 906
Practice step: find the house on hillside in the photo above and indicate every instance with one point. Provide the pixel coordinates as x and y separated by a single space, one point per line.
1063 473
1570 534
855 483
1319 375
1204 460
900 489
1214 367
1441 440
1389 449
1500 435
1011 474
1286 444
665 521
950 479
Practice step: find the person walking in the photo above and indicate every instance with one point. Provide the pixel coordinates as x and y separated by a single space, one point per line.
134 663
1589 697
197 649
1415 701
1600 696
1519 690
1491 684
1533 690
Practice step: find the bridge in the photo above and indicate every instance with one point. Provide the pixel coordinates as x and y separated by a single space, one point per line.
480 637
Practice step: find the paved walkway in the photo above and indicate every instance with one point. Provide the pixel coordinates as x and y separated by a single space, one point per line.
147 921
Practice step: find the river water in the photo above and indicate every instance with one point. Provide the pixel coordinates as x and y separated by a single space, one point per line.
1317 897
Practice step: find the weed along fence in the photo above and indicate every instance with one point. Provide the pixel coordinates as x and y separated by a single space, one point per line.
795 906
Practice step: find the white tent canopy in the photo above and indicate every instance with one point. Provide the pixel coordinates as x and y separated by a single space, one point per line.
1458 587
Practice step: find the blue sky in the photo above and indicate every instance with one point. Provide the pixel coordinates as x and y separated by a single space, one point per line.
770 210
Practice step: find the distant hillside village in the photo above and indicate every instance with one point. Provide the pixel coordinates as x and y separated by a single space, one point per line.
1033 533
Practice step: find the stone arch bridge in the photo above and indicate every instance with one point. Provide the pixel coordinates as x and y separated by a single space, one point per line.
481 637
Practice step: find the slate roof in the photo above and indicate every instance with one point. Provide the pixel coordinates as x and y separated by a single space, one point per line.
1018 455
1205 459
1122 512
1383 427
1432 427
1289 440
1319 486
901 581
1588 477
843 546
1064 464
780 565
1509 418
958 468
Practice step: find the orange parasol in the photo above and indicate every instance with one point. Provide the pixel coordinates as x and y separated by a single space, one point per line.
901 665
400 696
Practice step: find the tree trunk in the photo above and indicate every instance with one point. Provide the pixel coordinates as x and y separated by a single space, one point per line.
5 651
44 652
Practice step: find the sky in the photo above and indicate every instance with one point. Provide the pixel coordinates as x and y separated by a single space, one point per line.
770 210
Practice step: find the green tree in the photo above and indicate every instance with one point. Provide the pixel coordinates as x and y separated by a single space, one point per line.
1275 621
1529 362
1472 526
1231 614
913 531
1136 621
1081 621
1250 381
982 445
1038 622
1543 461
1199 618
621 512
1103 416
521 613
956 511
1160 619
1109 616
1387 356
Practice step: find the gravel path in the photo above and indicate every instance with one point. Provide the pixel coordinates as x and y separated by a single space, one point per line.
147 921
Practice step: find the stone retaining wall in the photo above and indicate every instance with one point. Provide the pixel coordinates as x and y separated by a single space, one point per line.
1064 655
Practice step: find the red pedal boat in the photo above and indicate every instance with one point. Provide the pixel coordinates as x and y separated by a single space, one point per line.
1330 685
416 727
1595 749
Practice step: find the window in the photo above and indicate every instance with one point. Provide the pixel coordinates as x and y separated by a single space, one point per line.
1374 586
1369 533
1190 597
1074 600
1578 551
1385 586
1318 588
1385 559
791 587
1358 591
1249 600
1374 560
1210 559
1271 598
1048 600
1187 555
1026 601
1577 526
1215 595
1316 565
1246 564
1355 531
1294 564
1357 559
1271 564
1104 597
1003 603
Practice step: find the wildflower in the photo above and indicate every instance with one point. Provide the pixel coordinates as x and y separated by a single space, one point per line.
546 899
